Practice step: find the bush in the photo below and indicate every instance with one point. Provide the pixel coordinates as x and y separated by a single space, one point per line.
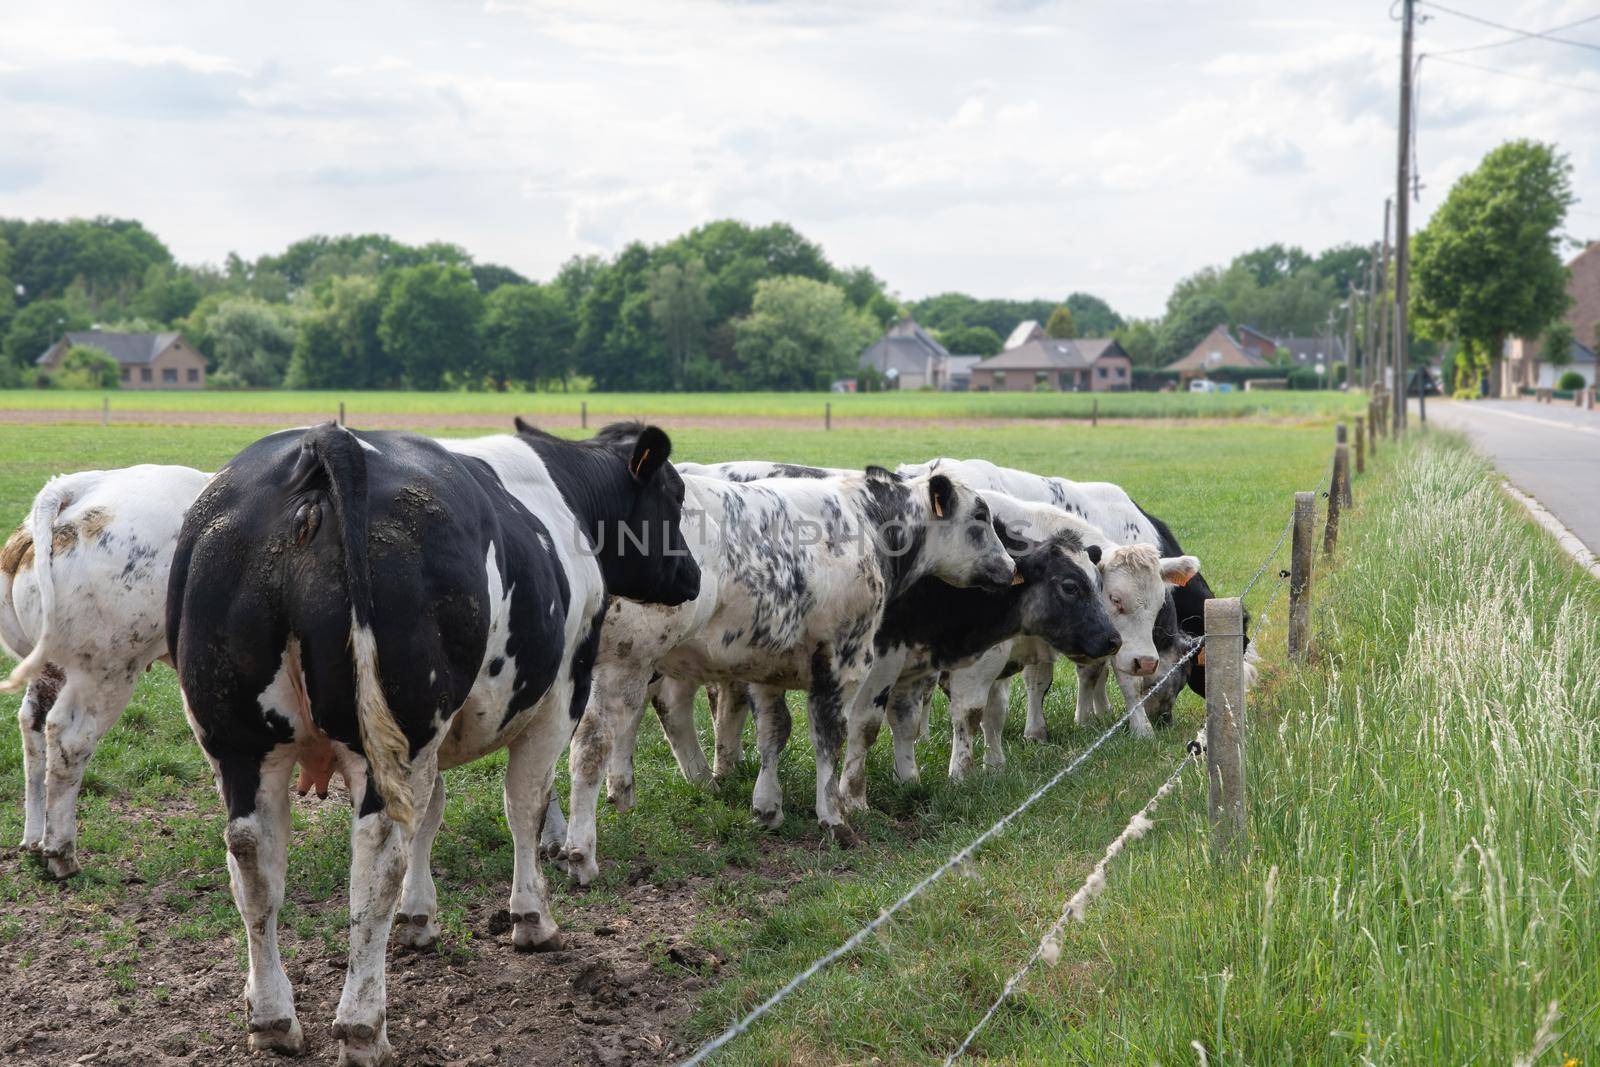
1571 381
87 367
1464 393
1304 378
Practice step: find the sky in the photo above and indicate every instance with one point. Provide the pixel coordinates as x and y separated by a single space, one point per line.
1005 149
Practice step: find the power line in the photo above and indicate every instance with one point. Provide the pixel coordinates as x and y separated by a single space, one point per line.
1520 37
1519 77
1542 36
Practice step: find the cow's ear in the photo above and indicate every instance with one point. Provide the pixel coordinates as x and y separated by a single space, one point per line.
942 495
1177 570
521 425
650 451
1013 544
1094 554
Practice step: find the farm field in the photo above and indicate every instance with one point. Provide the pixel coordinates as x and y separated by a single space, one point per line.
776 406
1370 784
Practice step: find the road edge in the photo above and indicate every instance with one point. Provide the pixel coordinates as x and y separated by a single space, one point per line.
1570 543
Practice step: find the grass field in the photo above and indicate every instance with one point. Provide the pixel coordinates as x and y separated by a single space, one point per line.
753 405
1428 798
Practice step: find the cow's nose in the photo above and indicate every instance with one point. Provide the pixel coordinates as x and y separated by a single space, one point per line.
1144 666
1113 643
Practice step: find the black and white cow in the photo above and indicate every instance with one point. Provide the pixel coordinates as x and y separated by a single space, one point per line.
392 605
1140 575
808 566
83 589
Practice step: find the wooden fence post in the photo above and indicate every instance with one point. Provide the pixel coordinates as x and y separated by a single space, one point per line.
1372 429
583 414
1225 722
1361 445
1094 413
827 415
1341 441
105 411
1341 467
1305 517
341 413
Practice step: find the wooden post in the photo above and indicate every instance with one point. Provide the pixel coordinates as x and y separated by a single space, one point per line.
583 414
1341 464
341 413
827 415
105 411
1372 429
1305 517
1094 413
1361 445
1341 442
1225 722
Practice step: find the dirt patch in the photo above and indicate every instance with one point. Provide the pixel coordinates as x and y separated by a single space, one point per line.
615 994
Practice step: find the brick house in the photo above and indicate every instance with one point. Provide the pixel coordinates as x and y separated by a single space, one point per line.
147 360
1217 349
1078 365
1523 365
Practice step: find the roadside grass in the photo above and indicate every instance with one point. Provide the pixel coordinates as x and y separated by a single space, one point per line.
809 406
151 827
1420 883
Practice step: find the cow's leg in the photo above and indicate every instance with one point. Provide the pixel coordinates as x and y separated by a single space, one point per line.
530 773
1091 694
378 852
416 920
834 686
729 713
624 744
907 707
1139 721
996 708
864 720
553 833
36 704
618 692
773 725
1037 678
83 712
969 697
257 837
674 703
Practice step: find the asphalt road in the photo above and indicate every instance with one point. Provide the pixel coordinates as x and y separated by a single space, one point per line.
1549 451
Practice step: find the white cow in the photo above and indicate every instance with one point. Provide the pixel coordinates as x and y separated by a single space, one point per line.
83 588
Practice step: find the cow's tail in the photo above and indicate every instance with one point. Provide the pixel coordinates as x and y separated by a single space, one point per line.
39 526
388 752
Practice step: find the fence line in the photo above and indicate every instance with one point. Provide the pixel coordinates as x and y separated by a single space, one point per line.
1049 947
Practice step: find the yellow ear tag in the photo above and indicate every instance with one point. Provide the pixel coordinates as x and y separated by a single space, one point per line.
637 467
938 512
1200 658
1016 579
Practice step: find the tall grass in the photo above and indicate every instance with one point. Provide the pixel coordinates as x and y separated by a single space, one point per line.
1425 818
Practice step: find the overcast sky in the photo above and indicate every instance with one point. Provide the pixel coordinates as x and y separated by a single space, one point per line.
1010 149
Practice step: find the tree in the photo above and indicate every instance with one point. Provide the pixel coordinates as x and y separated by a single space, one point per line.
527 334
87 367
801 334
1140 340
338 345
1060 324
1557 347
166 295
38 326
1273 263
430 324
971 340
1487 265
1092 316
1182 329
680 305
250 341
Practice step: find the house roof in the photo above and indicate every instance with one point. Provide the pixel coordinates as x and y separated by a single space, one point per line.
1052 353
1303 351
1583 315
961 366
1248 332
122 347
1025 331
905 347
1219 343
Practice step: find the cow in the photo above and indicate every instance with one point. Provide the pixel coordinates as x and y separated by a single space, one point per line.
83 585
390 605
1139 575
802 570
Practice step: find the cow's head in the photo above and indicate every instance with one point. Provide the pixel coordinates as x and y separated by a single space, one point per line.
961 545
1160 691
1134 580
1060 597
645 557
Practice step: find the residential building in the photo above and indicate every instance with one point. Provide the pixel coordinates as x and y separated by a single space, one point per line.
1076 365
1216 349
147 360
1524 365
908 357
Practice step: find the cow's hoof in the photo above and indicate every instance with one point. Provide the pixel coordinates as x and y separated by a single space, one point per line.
995 762
533 932
959 771
61 865
551 850
31 844
416 930
769 818
1141 729
1041 734
581 867
849 802
620 796
841 834
363 1045
282 1036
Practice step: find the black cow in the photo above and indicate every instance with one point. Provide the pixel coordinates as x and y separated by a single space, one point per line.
391 605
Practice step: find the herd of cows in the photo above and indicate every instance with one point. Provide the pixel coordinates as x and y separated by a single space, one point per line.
386 606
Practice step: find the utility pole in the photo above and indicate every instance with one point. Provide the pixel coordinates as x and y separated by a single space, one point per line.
1350 337
1402 234
1384 312
1369 347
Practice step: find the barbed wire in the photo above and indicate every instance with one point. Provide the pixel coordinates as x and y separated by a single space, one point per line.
743 1025
1049 947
